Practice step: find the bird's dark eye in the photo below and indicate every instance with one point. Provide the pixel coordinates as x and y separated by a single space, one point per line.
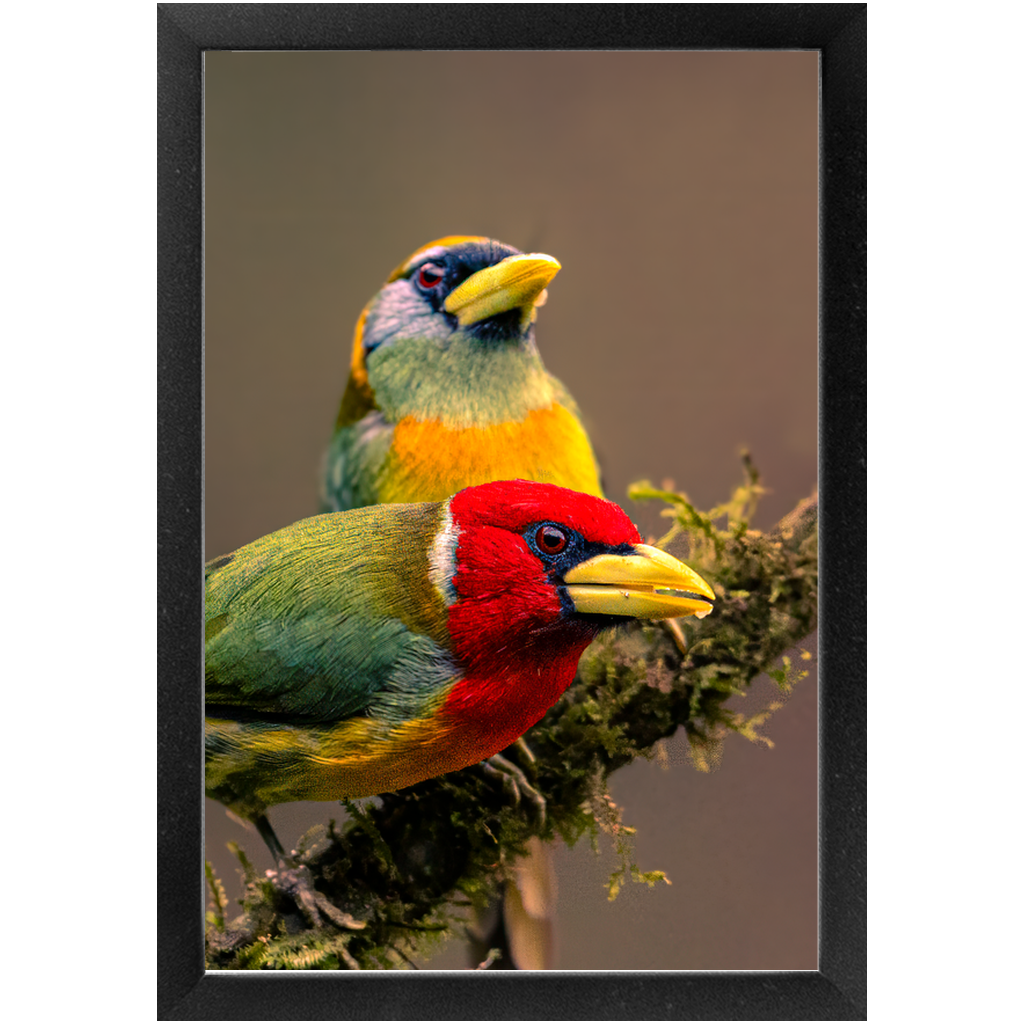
429 275
550 539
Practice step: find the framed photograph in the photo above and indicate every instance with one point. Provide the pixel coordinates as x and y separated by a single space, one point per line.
706 267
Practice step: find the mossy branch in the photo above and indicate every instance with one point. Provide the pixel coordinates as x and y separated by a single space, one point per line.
414 864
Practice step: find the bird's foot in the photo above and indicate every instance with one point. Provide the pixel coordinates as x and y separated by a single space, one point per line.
296 882
294 879
513 778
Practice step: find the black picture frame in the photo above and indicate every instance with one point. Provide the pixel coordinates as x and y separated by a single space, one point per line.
838 990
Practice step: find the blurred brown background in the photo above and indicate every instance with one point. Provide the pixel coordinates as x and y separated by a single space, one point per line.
679 192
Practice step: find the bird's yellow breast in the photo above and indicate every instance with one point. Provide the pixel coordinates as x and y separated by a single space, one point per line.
431 461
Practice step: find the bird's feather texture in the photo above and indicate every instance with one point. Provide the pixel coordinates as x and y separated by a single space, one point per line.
317 648
321 600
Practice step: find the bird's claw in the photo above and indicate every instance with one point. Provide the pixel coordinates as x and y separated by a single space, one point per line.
296 882
512 776
521 744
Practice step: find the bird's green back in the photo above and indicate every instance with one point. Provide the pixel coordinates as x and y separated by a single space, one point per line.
327 618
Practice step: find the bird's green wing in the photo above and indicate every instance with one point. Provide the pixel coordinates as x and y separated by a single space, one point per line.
326 619
353 462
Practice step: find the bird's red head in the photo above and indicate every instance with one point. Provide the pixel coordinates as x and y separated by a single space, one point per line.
512 622
517 540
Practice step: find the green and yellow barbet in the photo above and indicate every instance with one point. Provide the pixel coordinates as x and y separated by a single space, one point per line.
447 389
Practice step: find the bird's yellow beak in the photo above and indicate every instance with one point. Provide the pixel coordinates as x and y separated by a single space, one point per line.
648 584
517 282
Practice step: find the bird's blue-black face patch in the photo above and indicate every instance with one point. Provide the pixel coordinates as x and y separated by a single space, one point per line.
560 549
438 272
412 305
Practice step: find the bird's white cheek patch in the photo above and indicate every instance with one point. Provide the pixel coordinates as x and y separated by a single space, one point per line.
442 557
